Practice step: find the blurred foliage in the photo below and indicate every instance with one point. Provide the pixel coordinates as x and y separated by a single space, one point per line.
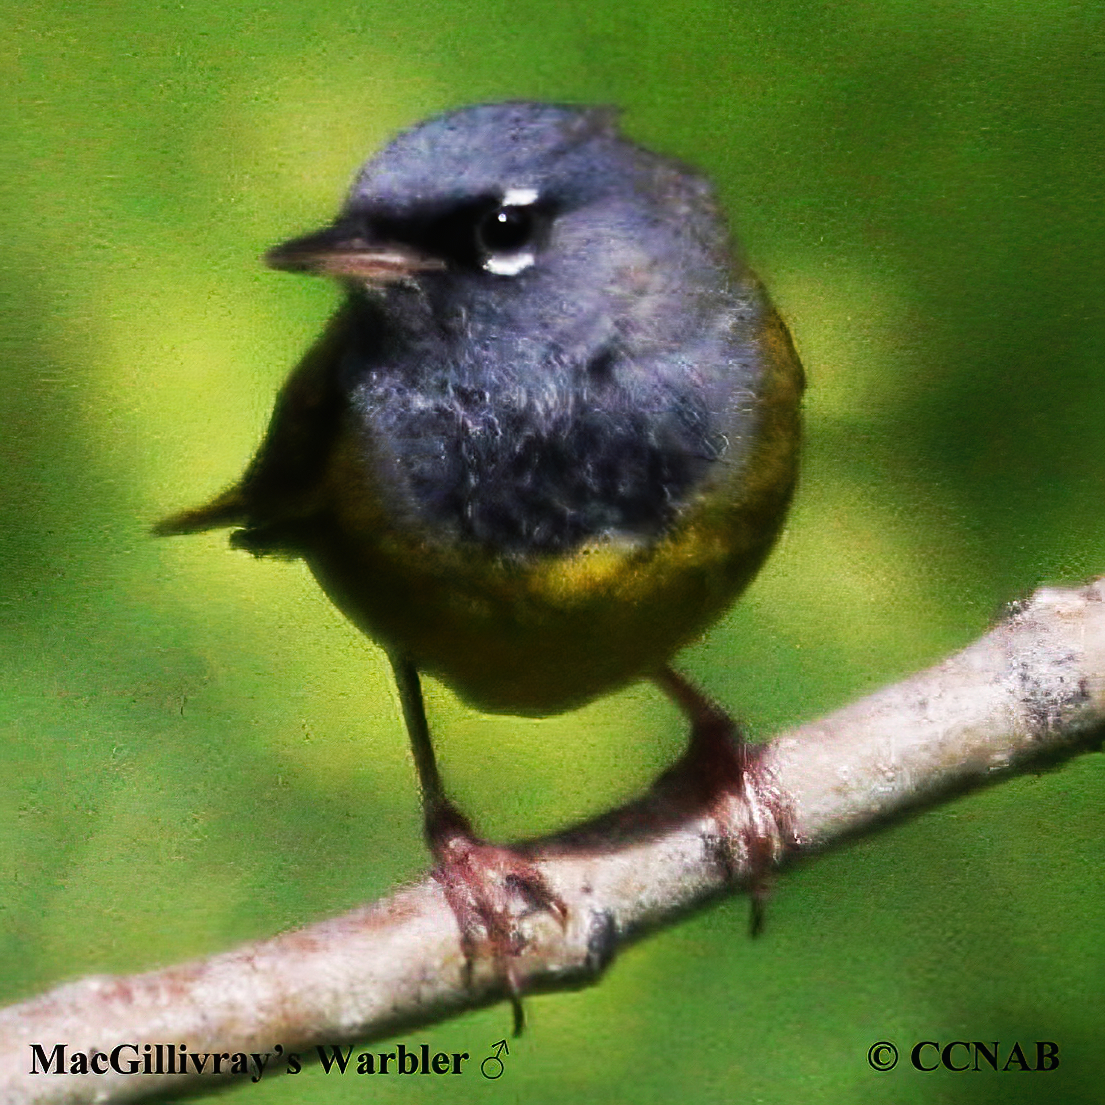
196 750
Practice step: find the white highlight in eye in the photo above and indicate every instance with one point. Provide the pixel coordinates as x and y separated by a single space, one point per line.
519 197
508 264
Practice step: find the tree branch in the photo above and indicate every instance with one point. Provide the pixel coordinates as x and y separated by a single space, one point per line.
1030 691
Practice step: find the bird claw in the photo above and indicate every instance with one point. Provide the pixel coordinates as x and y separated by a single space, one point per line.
719 779
750 831
490 889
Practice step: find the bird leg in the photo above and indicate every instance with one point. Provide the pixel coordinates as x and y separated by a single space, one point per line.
489 887
718 775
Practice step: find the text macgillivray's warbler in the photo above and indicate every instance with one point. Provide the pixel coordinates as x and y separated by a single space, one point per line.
547 439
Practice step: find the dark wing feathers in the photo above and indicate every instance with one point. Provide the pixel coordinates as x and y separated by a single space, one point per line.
282 487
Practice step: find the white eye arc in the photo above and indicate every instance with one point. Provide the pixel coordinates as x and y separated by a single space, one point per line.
508 264
519 197
505 235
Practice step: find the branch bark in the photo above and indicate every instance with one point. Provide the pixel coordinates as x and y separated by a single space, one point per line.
1032 690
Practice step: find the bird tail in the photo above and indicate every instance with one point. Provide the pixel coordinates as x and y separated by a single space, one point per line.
227 509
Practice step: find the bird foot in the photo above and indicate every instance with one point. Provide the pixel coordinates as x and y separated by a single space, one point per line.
719 779
490 888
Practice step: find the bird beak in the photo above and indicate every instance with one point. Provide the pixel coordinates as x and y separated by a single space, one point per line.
343 250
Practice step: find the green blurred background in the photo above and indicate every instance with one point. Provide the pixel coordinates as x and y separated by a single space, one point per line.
197 750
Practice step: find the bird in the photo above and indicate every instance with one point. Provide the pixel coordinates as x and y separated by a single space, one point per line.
546 440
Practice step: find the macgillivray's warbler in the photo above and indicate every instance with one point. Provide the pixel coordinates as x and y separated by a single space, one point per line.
548 438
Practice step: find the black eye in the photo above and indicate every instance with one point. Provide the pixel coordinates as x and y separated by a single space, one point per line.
507 229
